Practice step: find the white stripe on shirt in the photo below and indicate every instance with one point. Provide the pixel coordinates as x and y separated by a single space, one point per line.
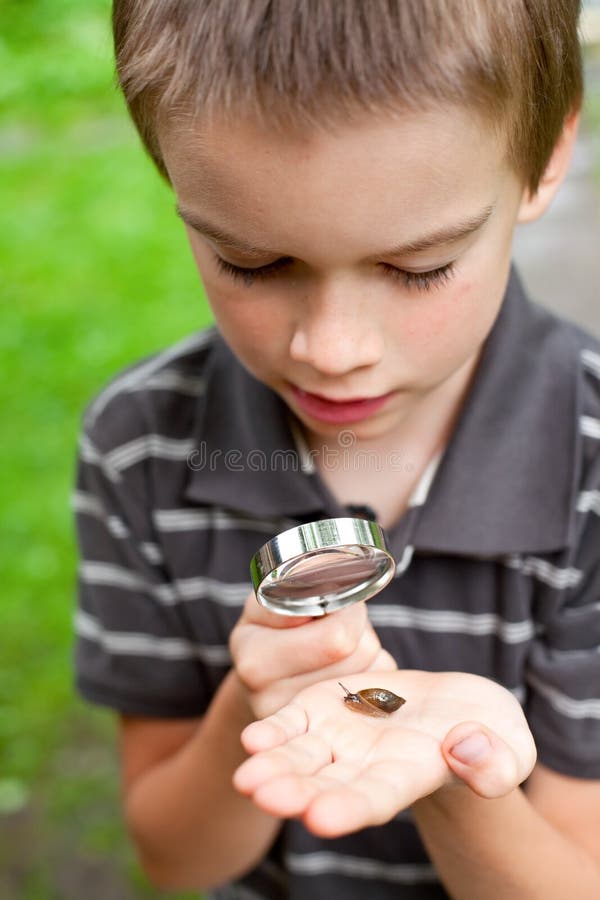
589 501
191 519
149 445
137 644
181 590
135 379
587 708
322 862
87 504
589 426
544 571
171 380
591 361
436 620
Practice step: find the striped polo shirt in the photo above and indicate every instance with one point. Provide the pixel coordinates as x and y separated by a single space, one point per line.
187 464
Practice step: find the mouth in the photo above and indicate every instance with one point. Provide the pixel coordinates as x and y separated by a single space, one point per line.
335 411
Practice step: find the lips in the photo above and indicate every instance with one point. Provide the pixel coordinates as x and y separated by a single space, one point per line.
338 411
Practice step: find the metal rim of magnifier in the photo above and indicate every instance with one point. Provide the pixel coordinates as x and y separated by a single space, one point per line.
305 542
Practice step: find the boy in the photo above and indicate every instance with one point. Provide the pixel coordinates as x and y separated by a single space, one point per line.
350 175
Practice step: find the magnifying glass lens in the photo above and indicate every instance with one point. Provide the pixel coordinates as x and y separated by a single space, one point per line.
326 577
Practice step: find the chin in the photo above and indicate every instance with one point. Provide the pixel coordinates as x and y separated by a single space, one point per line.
348 435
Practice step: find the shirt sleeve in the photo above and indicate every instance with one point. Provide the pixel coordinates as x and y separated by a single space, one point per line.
563 672
133 651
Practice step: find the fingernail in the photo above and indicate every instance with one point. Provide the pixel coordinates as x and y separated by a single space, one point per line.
471 749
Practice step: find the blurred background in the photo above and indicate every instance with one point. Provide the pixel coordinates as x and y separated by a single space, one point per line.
96 273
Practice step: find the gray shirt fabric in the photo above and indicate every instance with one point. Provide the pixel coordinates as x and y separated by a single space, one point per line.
187 464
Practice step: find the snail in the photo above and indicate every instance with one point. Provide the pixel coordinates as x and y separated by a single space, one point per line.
373 701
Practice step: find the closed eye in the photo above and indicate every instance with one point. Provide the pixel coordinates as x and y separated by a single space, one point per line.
423 281
250 275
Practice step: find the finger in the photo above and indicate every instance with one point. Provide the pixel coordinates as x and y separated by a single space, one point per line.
342 798
302 756
290 795
287 796
257 614
373 798
363 658
383 662
484 762
262 655
288 722
368 656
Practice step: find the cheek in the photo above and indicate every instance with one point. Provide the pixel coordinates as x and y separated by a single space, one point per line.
232 304
449 330
443 316
251 323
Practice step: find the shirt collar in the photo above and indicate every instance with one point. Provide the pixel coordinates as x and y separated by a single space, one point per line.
507 479
505 482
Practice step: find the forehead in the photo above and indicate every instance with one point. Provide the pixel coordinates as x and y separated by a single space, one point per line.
382 170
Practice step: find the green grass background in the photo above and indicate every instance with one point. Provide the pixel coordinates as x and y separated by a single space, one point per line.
96 272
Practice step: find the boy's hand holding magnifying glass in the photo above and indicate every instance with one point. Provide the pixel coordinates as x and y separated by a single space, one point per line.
277 656
287 642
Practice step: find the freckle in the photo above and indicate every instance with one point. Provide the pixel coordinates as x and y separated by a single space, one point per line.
462 290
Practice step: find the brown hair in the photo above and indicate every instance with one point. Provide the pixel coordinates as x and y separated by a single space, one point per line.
311 64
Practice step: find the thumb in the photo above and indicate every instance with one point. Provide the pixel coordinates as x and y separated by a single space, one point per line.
254 613
383 662
481 759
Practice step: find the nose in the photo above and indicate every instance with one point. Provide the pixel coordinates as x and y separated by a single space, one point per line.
336 333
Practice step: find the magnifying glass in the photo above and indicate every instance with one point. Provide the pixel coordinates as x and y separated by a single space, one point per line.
319 567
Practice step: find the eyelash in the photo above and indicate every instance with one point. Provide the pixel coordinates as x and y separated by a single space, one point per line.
422 281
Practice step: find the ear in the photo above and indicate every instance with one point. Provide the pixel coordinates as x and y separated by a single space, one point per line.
534 205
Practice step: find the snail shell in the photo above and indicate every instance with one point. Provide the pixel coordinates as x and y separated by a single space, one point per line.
373 701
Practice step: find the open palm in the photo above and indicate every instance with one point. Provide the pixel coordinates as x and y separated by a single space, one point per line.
341 771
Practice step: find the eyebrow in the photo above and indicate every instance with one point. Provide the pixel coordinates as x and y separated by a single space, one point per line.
447 235
221 236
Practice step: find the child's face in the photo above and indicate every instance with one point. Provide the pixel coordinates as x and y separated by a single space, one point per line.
340 314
